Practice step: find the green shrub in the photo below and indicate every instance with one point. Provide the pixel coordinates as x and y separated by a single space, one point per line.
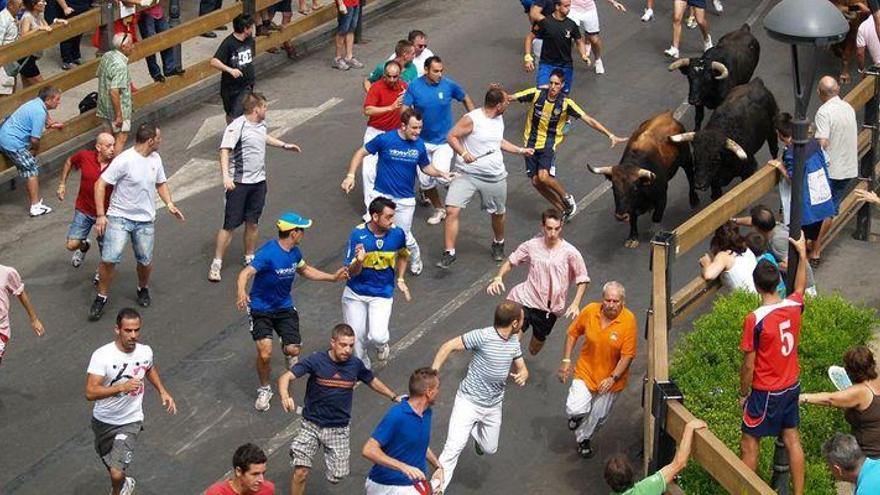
706 368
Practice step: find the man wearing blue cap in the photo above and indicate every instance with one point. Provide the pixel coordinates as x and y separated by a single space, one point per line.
270 303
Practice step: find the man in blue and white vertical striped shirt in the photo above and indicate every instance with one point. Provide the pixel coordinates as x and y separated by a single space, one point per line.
477 409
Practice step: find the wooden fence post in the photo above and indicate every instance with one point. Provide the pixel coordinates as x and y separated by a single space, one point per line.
866 167
107 20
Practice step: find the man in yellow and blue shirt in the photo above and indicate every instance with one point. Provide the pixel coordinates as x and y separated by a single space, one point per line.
376 252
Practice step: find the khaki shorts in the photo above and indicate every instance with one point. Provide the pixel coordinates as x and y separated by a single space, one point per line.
116 129
493 195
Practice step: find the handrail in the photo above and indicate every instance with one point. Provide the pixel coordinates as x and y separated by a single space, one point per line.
23 47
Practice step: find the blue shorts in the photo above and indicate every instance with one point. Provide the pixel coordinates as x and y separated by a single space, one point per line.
697 4
838 190
119 230
543 76
543 159
766 414
81 226
347 23
24 161
284 6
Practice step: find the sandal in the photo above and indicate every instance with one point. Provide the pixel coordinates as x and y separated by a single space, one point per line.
815 262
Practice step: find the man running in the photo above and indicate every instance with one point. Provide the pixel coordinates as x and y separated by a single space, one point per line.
326 422
478 403
248 474
404 54
115 383
91 164
376 251
545 130
243 167
699 11
557 32
586 16
478 140
135 175
432 95
401 153
602 369
399 447
553 265
382 106
422 53
11 284
270 305
769 376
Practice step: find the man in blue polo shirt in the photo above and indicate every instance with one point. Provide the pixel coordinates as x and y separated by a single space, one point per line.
333 375
20 137
399 446
270 304
401 153
432 95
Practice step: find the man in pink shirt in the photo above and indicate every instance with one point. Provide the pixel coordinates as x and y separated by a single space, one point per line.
10 283
249 474
553 265
866 38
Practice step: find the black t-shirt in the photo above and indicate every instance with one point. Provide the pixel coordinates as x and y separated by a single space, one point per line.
558 36
237 55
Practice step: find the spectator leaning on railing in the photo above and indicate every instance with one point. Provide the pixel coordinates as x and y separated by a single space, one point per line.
8 34
33 21
114 90
20 139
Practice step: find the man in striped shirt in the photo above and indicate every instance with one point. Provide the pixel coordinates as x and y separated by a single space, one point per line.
546 126
477 409
243 165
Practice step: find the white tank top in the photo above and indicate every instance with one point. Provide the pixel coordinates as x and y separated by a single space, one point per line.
740 275
484 143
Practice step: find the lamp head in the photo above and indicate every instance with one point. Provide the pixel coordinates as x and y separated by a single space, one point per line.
806 22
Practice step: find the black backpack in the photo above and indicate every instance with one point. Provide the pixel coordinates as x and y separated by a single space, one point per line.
89 102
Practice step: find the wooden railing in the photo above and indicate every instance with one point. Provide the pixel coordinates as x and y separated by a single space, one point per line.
667 307
145 95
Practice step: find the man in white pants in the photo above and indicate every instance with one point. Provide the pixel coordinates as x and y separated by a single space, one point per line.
376 250
585 14
602 369
477 409
478 138
401 153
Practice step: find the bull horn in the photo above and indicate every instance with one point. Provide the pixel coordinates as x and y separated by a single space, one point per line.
606 171
646 174
684 137
722 70
682 62
732 145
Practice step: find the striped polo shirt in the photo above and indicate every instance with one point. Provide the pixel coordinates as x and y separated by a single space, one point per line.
487 374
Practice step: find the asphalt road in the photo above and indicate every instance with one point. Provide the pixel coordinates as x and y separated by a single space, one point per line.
201 342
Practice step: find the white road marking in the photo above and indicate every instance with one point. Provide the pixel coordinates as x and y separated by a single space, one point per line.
196 176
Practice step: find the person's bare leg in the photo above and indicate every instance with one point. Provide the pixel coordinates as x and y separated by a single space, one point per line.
298 480
143 272
224 237
264 360
596 46
251 233
749 448
548 194
816 252
349 46
703 22
450 232
340 46
32 186
105 272
434 197
121 138
792 441
552 184
535 346
73 244
497 226
677 14
117 479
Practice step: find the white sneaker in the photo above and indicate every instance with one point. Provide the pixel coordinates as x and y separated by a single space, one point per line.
648 15
599 66
264 395
415 267
383 352
707 43
437 217
718 6
291 360
691 22
80 254
128 486
214 271
247 259
671 52
40 209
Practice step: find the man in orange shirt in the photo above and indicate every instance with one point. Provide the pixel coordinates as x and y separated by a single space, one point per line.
602 368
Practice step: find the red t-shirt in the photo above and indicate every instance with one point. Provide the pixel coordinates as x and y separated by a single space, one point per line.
380 95
223 488
351 3
86 161
773 333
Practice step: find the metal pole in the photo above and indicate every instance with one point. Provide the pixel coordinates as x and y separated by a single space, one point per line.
107 20
358 28
173 22
866 168
781 474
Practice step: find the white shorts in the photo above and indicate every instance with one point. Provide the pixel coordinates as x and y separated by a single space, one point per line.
368 170
374 488
588 20
441 157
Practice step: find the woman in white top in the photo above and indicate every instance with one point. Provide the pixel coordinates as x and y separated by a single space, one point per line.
8 34
729 258
33 21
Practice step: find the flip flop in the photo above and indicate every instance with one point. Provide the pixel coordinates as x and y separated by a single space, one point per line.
304 12
815 262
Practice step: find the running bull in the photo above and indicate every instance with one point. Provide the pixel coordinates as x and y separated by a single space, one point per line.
640 180
721 68
726 148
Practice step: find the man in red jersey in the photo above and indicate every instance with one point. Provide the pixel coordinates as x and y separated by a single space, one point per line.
248 476
769 384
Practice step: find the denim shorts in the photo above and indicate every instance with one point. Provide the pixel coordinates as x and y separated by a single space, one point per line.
81 226
346 23
119 230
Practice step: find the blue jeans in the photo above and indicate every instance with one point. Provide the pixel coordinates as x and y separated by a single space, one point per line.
149 27
119 230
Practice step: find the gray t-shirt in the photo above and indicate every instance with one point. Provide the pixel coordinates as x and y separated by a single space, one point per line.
487 373
779 249
247 144
134 178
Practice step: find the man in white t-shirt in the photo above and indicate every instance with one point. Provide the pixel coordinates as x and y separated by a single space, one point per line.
838 132
866 38
243 167
420 41
115 383
478 140
136 175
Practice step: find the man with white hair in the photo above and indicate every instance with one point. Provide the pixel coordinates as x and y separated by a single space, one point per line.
114 90
602 369
838 133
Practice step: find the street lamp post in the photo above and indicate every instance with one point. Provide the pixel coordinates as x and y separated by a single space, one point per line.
808 24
